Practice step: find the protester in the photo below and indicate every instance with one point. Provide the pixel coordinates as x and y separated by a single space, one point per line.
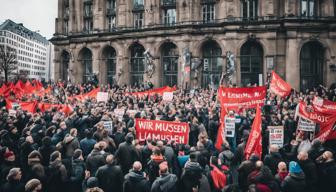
135 180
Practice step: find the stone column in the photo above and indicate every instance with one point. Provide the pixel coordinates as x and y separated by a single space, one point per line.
183 78
123 64
98 15
293 64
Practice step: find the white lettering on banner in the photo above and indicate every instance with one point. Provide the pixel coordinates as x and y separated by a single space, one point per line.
306 125
230 126
165 127
276 135
144 136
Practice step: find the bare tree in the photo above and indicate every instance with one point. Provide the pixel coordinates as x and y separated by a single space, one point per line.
8 62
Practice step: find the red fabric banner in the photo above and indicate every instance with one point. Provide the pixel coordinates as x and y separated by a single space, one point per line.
235 98
254 145
221 131
278 86
29 106
324 117
162 130
324 104
92 94
158 91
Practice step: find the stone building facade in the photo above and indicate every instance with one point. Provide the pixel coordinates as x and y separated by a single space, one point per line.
187 41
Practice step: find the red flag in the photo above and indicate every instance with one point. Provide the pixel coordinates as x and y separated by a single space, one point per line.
253 145
9 104
29 88
67 109
221 131
29 106
3 89
324 104
279 86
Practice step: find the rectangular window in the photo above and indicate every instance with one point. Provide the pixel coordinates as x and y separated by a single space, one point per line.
308 8
138 20
208 13
169 16
66 26
111 22
249 9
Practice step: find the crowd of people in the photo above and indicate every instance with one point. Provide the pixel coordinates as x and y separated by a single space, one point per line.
52 151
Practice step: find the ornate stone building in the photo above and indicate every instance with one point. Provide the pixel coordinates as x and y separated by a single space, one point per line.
188 40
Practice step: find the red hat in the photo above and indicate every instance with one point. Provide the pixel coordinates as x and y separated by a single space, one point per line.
8 154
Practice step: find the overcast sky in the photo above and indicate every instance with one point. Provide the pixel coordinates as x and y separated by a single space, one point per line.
34 14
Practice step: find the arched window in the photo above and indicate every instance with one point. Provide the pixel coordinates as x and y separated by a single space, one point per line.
65 58
251 62
169 64
212 65
85 57
249 9
311 65
137 64
109 56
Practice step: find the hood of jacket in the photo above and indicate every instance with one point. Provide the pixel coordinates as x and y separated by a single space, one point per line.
135 176
298 176
167 181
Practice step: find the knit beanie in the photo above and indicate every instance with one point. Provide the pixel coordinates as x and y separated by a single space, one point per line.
294 167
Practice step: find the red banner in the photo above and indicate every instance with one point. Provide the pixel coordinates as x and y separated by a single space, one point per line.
221 131
249 97
254 145
158 91
324 117
278 86
162 130
324 105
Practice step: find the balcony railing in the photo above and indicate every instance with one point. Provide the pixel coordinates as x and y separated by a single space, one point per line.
111 12
168 3
138 7
88 2
240 21
208 1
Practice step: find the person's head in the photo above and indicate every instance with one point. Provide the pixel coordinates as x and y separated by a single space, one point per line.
200 145
137 166
9 155
274 149
109 159
282 167
129 138
294 168
259 165
78 154
63 125
29 139
328 156
14 174
73 132
163 168
56 155
302 156
156 151
88 134
203 137
33 185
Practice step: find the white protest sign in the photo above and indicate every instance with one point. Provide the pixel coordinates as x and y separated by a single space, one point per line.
306 125
102 97
230 123
276 135
168 96
119 113
108 126
132 112
11 112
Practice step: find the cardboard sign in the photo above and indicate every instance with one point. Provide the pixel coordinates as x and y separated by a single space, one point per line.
168 96
306 125
276 135
108 125
162 130
102 97
230 124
